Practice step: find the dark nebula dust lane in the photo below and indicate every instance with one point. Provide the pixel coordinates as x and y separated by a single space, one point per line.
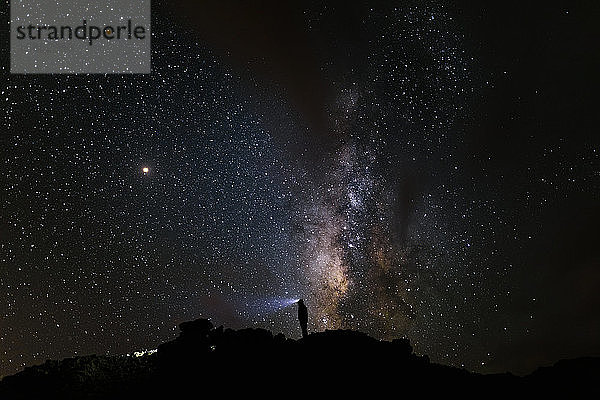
409 169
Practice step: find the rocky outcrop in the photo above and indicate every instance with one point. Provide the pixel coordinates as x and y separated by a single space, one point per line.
254 361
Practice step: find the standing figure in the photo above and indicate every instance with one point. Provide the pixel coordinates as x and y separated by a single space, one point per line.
303 317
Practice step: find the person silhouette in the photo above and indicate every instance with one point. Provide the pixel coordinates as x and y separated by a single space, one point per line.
303 317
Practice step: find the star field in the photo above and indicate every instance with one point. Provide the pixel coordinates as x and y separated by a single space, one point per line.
415 223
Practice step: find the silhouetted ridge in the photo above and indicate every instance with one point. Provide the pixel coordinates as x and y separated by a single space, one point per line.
251 360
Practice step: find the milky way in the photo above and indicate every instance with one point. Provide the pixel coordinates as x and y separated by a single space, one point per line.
387 227
369 267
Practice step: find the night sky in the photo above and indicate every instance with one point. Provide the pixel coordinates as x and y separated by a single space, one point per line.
410 169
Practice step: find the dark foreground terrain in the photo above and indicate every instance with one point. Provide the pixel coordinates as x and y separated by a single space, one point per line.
204 361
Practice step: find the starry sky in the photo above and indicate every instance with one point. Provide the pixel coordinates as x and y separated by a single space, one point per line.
411 169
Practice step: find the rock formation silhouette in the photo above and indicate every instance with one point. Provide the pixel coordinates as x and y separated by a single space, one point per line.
204 359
